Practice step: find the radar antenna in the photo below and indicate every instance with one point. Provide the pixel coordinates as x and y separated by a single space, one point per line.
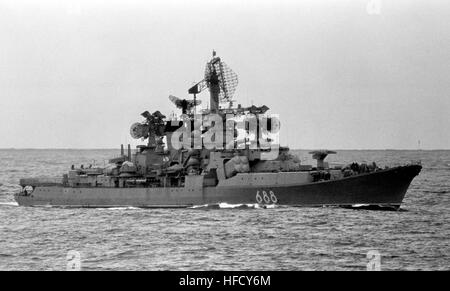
152 128
228 80
220 80
185 105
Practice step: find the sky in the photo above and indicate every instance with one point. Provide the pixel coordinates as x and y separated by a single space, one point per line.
359 74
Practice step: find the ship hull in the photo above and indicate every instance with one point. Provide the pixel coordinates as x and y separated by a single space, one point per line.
381 188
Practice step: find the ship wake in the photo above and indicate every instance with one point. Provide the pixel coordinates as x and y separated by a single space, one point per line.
9 204
224 205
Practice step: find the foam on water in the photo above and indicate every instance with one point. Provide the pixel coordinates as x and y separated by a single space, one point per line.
360 205
119 208
225 205
9 204
199 206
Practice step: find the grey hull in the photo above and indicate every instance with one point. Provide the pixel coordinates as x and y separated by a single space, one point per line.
384 188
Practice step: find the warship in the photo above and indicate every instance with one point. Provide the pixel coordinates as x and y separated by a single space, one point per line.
221 154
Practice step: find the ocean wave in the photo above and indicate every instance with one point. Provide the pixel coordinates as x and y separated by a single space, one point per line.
438 168
436 191
9 204
9 189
